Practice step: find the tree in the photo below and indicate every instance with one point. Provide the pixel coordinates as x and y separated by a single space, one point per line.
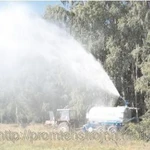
116 34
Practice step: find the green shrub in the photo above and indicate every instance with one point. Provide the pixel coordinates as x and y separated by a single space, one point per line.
139 131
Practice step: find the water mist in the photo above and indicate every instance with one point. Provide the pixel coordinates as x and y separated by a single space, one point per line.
41 62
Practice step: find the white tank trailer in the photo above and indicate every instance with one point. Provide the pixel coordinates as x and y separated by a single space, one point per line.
111 119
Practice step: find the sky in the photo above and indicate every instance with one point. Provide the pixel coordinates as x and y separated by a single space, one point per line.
37 6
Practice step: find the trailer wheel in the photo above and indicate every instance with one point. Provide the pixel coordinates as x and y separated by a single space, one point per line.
63 127
112 129
100 129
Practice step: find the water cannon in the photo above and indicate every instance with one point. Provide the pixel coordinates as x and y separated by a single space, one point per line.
126 103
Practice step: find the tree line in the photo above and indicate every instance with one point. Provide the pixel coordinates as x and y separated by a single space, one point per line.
117 34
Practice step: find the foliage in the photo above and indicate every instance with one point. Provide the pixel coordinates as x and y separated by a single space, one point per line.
139 131
116 33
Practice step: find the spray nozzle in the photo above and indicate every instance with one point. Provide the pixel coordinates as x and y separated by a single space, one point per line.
126 103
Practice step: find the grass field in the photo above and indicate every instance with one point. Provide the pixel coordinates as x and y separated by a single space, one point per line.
34 141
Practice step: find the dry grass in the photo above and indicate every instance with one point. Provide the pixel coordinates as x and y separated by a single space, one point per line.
107 142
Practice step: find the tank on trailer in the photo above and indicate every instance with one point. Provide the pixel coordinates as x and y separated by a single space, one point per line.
102 118
109 114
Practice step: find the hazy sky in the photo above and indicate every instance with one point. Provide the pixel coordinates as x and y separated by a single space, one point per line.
37 6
